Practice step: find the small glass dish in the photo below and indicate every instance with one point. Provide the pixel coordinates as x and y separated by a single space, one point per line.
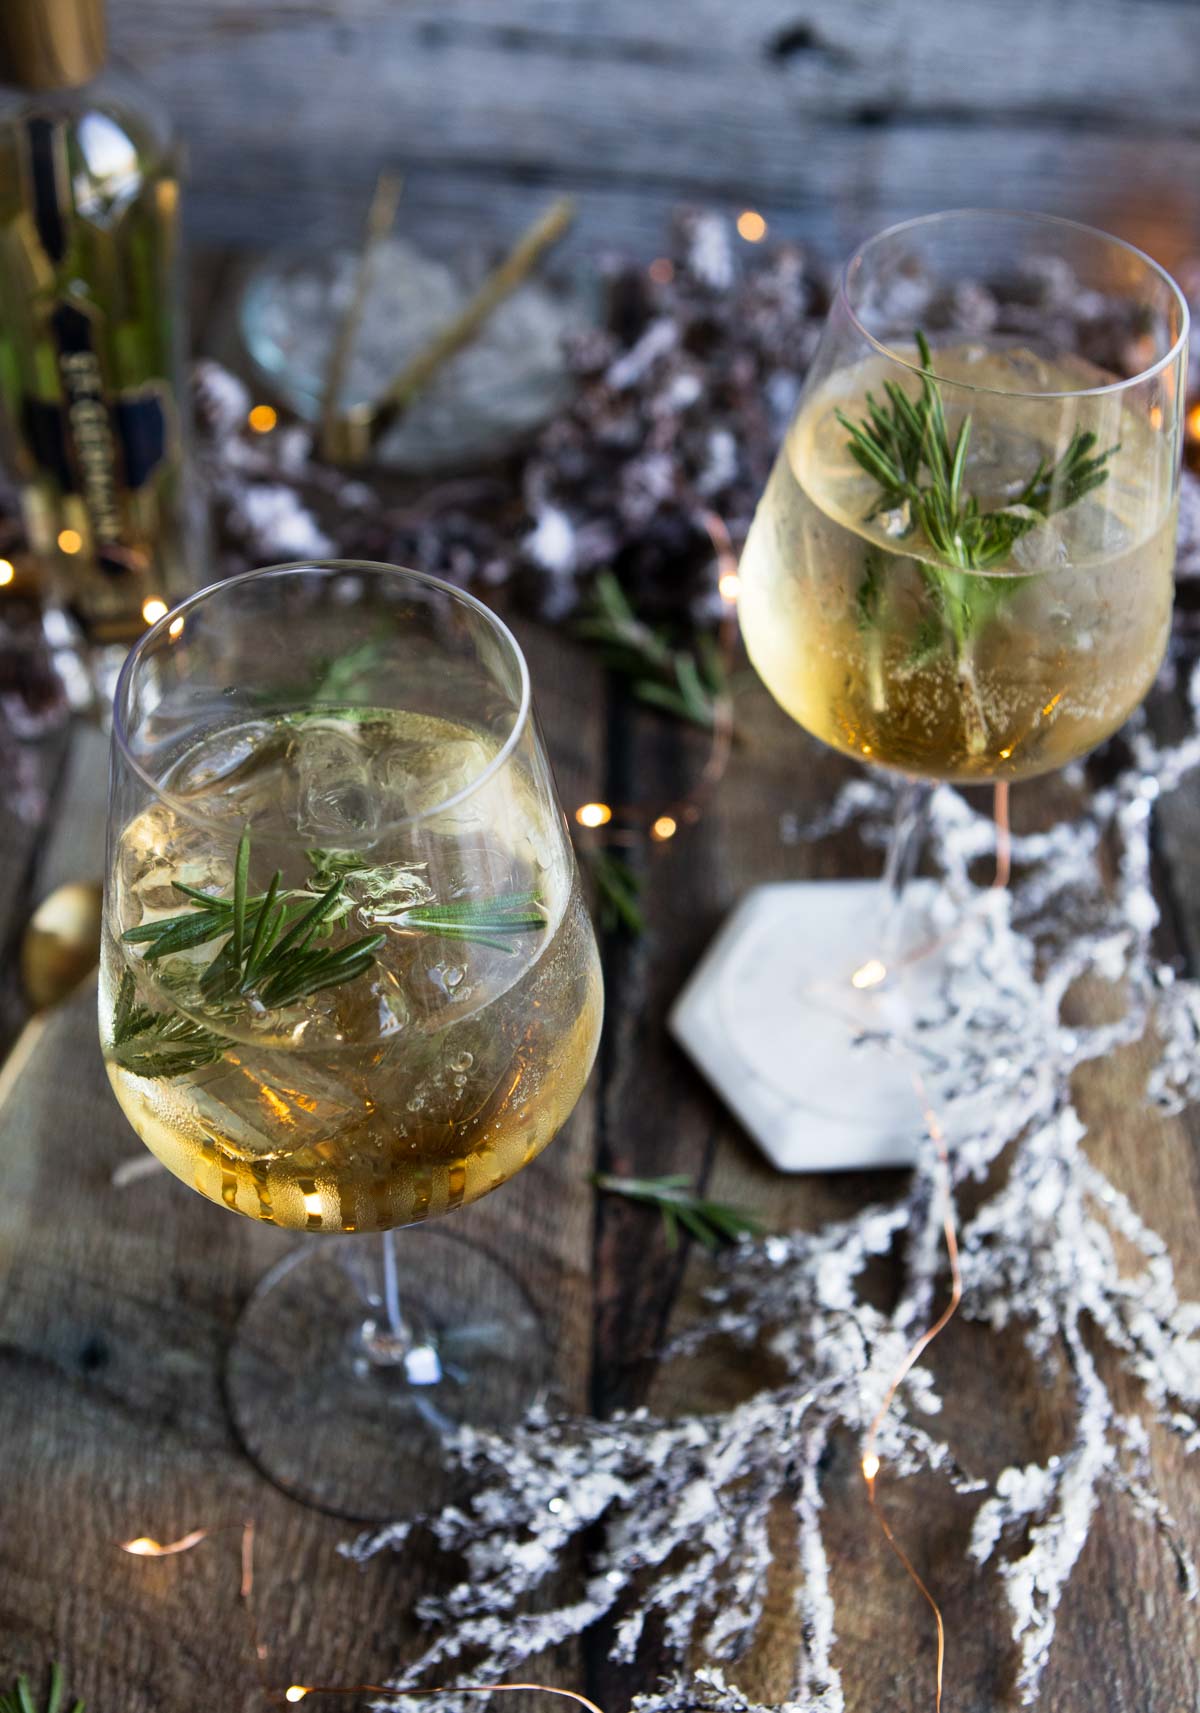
500 388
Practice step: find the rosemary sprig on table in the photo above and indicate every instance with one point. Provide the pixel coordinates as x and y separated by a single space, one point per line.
617 887
269 955
905 445
19 1699
685 682
710 1222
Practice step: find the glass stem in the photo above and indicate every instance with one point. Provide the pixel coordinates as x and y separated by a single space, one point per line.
397 1330
905 845
386 1340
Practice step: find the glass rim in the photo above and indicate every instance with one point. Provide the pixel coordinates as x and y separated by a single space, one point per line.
1029 218
161 626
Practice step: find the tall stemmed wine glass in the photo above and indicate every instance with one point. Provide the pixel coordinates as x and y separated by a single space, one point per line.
348 984
960 570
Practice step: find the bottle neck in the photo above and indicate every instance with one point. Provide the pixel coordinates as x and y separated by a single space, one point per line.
51 44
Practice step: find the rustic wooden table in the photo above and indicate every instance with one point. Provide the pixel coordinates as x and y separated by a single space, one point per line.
116 1306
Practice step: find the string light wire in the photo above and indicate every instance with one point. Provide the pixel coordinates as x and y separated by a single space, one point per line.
871 1463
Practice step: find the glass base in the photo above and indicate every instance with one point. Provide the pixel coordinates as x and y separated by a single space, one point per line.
790 1012
349 1369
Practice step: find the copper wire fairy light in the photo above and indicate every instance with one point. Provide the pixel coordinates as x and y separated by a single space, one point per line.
300 1691
145 1546
871 1463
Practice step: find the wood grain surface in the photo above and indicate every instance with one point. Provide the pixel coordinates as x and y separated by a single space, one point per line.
833 117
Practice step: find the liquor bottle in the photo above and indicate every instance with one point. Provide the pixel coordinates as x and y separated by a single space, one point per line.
91 334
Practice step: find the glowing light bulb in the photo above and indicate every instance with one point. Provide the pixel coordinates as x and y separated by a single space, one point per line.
70 540
144 1547
729 586
175 629
869 974
593 814
296 1692
751 226
870 1466
154 609
7 572
262 418
665 827
1193 422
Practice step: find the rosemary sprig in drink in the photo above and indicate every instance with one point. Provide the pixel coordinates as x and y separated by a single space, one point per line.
269 957
905 445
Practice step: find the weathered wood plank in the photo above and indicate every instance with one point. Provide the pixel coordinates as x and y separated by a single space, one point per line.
1100 58
30 775
833 119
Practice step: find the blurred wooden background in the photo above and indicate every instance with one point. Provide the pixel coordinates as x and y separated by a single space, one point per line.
832 117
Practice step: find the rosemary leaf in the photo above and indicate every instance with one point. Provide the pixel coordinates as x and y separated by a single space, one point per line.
310 972
687 683
241 875
20 1698
617 886
263 939
269 953
123 1011
871 588
180 933
905 447
710 1222
313 917
207 900
483 920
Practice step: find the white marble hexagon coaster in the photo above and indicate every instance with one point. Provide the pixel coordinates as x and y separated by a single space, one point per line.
772 1020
